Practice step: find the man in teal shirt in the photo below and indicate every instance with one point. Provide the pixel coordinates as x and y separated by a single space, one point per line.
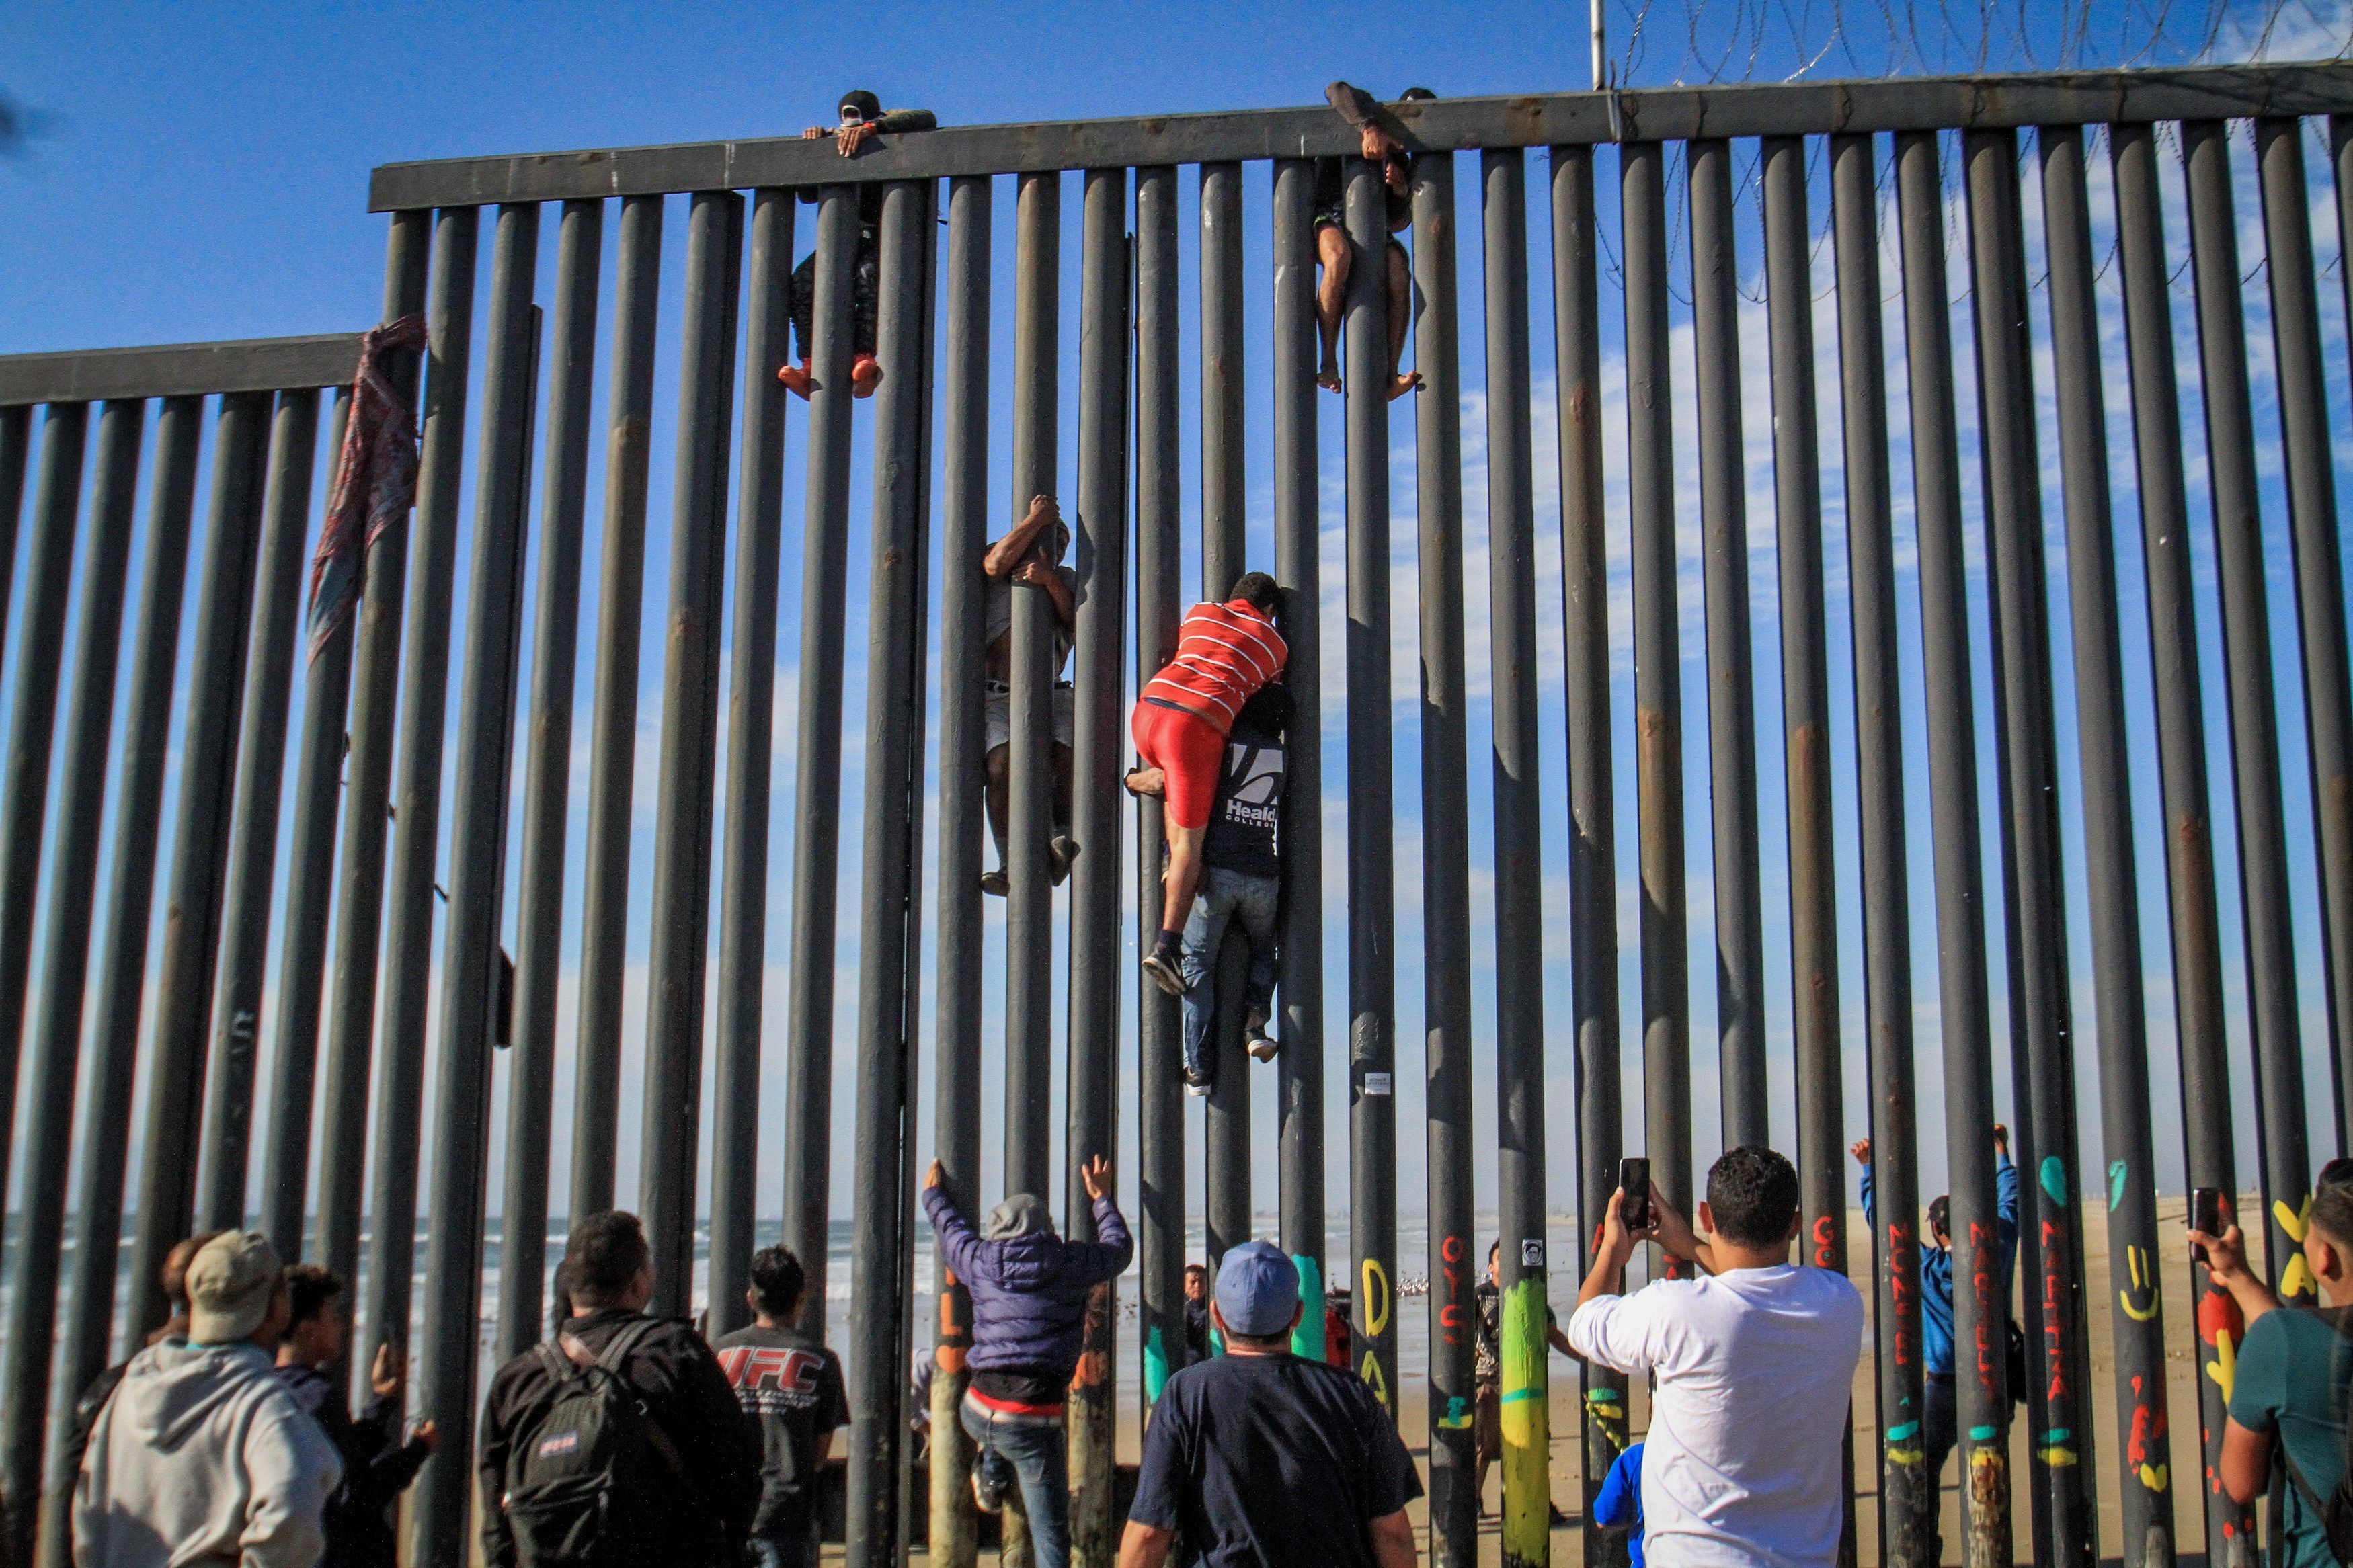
2290 1382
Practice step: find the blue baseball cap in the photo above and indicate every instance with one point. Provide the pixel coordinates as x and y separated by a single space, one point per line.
1258 1289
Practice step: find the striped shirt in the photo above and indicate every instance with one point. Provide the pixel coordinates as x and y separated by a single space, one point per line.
1224 653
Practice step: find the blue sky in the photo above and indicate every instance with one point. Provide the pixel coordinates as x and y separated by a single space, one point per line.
203 175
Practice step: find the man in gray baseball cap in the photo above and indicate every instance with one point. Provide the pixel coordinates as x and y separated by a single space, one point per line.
202 1453
1262 1455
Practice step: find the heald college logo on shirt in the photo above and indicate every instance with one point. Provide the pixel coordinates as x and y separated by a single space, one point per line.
770 1380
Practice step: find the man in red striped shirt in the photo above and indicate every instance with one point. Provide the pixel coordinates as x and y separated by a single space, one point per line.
1224 653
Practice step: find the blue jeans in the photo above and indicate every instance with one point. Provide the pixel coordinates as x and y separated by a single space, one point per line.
1037 1449
1225 897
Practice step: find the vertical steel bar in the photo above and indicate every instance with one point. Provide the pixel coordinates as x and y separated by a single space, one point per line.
1979 1313
1226 1121
1731 691
2303 397
954 1536
1372 872
167 1187
1298 568
103 1140
374 636
613 731
416 787
1519 872
1805 729
105 1136
1225 488
2208 1158
309 904
1159 511
40 640
890 872
2137 1320
681 890
451 1341
56 1032
253 837
1454 1262
817 805
1100 708
751 704
1908 1492
1028 905
1658 676
1592 814
2247 672
15 446
2059 1362
547 777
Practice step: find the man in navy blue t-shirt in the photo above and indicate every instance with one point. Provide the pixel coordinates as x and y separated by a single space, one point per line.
1241 882
1259 1456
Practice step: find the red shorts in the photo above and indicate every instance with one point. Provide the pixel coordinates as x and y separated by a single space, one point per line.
1188 750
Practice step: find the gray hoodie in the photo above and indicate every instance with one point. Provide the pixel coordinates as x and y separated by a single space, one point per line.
202 1455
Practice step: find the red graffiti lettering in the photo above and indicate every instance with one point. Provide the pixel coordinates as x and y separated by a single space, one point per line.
1451 1250
1825 1242
1988 1303
1902 1289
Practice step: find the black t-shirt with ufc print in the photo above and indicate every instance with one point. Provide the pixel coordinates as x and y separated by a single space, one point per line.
792 1385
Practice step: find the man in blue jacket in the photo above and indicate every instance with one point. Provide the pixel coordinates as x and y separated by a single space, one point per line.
1029 1291
1939 1426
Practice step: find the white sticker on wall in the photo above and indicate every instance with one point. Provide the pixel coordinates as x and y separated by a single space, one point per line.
1378 1083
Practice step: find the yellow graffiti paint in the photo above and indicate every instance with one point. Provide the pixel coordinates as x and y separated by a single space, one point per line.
2143 1280
2224 1368
2295 1220
2296 1283
1371 1372
1376 1297
2056 1456
1906 1457
1527 1527
2156 1478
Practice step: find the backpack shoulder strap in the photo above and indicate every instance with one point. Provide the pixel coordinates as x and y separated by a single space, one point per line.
616 1348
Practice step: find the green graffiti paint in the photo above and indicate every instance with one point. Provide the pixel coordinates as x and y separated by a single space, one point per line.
1526 1425
2055 1178
1155 1365
1307 1339
2116 1184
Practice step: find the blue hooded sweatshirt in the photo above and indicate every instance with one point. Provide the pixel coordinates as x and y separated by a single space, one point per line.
1029 1288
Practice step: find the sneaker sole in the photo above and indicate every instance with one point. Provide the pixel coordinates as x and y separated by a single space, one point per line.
1164 977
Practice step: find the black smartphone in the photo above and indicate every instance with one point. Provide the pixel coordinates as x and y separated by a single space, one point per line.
2205 1216
1634 1181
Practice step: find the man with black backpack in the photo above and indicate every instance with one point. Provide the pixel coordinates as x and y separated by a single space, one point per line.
2289 1387
620 1442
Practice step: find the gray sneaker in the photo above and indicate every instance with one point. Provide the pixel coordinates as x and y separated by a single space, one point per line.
1162 966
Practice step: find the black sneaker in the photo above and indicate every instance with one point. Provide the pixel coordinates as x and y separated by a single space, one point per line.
996 882
987 1488
1062 851
1161 964
1255 1040
1198 1083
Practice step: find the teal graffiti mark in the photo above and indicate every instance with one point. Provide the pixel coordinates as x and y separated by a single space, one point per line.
2116 1184
2055 1178
1458 1417
1307 1339
1908 1429
1155 1364
1983 1433
2057 1434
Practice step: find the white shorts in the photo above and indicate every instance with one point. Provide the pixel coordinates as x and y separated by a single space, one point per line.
999 722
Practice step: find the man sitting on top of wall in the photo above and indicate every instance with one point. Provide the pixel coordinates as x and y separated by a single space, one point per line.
861 119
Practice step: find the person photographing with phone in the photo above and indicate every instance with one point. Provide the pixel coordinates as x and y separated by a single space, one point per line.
1752 1366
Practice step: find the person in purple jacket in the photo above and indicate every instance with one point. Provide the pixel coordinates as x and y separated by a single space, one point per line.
1029 1291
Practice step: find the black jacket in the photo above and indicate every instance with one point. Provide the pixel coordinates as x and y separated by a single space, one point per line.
378 1468
685 1394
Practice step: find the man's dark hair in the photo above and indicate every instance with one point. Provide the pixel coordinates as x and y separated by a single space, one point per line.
1416 95
1940 1215
1258 589
1268 711
605 1253
1277 1341
1753 1192
778 1281
310 1287
1193 1269
2332 1212
869 107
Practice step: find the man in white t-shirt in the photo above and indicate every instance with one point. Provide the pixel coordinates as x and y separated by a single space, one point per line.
1752 1366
